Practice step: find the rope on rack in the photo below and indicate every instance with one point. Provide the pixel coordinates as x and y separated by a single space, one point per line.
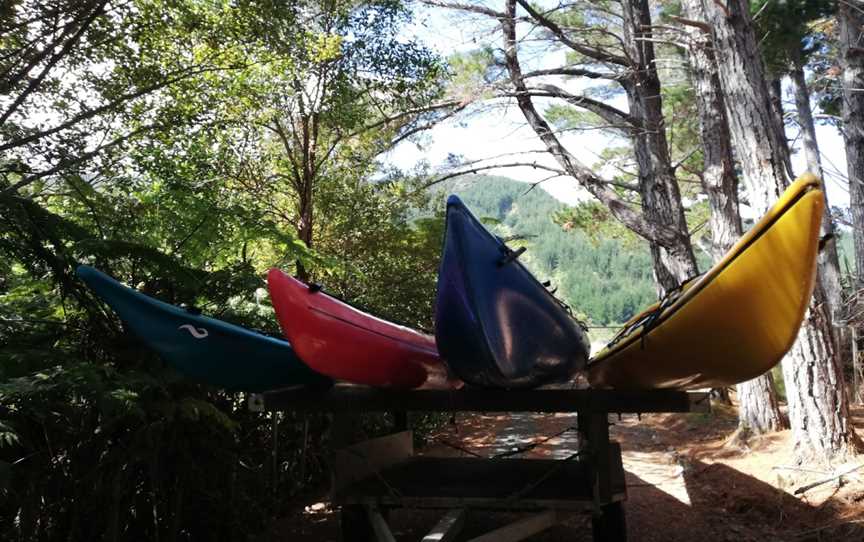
390 489
528 447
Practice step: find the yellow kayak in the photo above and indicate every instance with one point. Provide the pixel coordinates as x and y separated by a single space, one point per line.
734 322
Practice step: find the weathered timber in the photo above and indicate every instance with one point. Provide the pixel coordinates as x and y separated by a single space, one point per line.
521 529
379 525
601 469
348 398
448 528
502 484
364 459
610 524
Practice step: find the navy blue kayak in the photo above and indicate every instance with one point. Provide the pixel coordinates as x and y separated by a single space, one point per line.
203 348
495 324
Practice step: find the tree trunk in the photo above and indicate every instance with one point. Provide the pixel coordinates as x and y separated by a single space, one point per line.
761 150
658 186
851 29
805 115
304 226
304 192
758 410
718 178
763 153
816 392
775 93
660 220
829 262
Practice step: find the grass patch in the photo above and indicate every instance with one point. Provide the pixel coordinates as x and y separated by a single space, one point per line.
779 384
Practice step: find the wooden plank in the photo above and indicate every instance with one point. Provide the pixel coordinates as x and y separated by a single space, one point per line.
367 459
856 369
520 530
343 434
454 482
448 527
379 525
255 402
400 421
345 429
610 525
472 503
354 525
599 449
350 398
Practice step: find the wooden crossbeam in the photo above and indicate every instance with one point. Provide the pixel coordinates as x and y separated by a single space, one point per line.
367 458
349 398
521 529
448 527
379 525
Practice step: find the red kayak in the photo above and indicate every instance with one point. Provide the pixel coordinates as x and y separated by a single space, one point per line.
342 342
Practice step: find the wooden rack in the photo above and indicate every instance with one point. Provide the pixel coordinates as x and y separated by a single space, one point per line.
371 477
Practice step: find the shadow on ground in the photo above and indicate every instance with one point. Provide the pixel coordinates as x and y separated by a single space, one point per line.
678 487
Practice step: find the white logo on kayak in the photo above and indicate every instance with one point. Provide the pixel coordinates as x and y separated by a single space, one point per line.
197 332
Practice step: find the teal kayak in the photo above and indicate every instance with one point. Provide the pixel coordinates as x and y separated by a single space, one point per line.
206 349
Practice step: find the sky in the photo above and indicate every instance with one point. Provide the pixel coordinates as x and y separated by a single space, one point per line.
498 134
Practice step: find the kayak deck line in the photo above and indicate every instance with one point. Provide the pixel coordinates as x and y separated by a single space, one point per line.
358 326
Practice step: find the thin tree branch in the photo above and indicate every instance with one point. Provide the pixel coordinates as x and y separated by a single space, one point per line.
106 107
457 104
603 110
478 169
704 27
632 219
37 81
482 10
553 27
574 72
63 164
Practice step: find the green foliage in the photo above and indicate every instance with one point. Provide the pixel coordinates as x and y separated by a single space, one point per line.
569 118
846 254
785 30
595 221
802 32
386 263
191 203
87 78
98 432
472 74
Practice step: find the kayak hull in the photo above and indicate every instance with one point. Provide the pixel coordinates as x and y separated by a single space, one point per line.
205 349
495 324
345 343
735 322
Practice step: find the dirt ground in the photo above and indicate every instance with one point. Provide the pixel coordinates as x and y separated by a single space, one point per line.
686 480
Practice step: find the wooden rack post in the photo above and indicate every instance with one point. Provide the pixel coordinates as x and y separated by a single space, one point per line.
371 477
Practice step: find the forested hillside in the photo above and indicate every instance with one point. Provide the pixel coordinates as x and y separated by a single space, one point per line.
605 281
